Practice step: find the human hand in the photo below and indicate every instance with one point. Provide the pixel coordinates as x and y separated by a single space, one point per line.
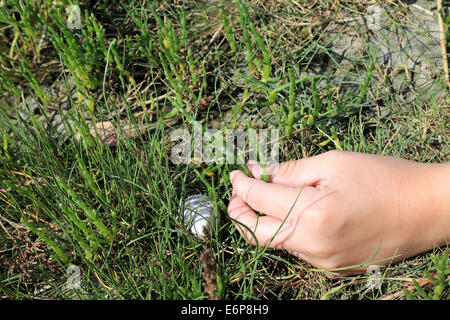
349 206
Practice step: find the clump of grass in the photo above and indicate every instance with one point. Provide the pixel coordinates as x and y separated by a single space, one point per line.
439 283
248 28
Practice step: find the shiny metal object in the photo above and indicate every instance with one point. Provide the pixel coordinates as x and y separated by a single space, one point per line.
198 215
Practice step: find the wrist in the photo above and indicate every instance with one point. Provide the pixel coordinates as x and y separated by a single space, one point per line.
425 208
440 201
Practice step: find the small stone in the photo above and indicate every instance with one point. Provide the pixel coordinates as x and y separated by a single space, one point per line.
32 104
373 18
43 122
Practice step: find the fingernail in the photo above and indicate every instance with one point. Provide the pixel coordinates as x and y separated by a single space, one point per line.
254 168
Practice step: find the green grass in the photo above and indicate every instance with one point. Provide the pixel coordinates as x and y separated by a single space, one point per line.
114 211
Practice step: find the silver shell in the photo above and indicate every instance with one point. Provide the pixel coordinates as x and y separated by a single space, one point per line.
198 214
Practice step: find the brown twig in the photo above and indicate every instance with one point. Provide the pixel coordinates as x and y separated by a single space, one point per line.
6 230
209 274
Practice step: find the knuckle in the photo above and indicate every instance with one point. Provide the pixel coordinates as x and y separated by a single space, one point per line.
286 169
273 169
333 158
234 203
321 220
237 212
250 196
322 250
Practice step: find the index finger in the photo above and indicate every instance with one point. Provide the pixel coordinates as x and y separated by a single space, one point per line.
272 199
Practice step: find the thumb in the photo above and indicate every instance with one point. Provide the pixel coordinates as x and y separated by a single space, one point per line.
307 171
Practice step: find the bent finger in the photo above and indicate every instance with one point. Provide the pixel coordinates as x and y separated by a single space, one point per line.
261 230
273 199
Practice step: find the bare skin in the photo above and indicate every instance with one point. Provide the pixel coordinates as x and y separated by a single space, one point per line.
345 207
